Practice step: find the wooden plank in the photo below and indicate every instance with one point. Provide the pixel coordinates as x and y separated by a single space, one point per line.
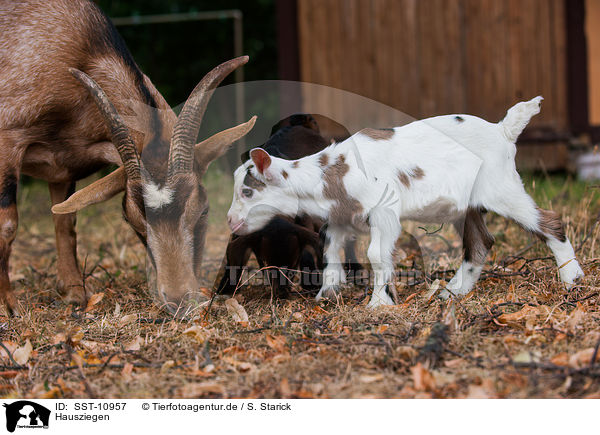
593 38
577 67
559 43
405 57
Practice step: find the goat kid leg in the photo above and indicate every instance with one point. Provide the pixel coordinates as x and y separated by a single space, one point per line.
352 265
236 257
333 274
9 221
69 278
477 241
380 253
546 225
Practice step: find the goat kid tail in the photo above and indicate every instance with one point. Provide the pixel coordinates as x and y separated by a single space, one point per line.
518 116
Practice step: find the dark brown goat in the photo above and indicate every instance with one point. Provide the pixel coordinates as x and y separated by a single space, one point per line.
286 245
60 129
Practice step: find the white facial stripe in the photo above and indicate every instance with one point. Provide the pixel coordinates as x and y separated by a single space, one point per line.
155 197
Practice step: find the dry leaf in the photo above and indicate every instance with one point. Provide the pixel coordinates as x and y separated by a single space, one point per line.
382 328
237 312
276 342
167 365
22 354
576 317
244 366
524 318
134 344
127 370
583 358
59 338
369 379
454 363
94 300
284 388
422 378
76 335
241 366
190 391
127 319
527 357
197 332
484 391
511 339
433 289
77 359
561 359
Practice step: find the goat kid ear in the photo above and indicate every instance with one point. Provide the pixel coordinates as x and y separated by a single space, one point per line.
261 159
215 146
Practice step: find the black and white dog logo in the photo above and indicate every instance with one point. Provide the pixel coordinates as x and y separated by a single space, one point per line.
26 414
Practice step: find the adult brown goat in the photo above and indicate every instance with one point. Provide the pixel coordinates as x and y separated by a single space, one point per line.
60 129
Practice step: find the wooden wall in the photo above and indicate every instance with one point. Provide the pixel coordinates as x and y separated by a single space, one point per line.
429 57
592 9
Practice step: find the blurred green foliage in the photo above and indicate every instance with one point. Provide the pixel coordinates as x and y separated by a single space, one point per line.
177 55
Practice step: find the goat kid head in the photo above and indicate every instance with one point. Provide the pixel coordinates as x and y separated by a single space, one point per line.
261 191
169 211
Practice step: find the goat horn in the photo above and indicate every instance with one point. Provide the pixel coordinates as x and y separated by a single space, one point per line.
185 132
118 130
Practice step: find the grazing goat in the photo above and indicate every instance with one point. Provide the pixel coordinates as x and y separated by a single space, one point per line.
285 244
449 168
66 74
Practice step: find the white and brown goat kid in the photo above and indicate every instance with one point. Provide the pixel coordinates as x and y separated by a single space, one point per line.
450 168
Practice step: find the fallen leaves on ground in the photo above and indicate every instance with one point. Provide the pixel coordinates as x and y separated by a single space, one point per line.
236 311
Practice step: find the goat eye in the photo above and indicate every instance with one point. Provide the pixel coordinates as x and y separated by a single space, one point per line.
247 193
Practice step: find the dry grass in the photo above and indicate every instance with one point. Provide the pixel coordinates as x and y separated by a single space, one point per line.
518 335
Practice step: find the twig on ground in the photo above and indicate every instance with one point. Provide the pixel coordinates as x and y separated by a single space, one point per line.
10 356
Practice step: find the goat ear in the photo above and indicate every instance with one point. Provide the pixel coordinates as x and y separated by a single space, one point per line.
261 159
99 191
215 146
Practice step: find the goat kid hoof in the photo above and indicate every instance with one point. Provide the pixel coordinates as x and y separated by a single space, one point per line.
380 302
379 299
330 294
571 273
446 294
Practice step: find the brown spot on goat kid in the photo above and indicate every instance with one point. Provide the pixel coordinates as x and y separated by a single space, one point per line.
295 164
253 182
323 160
346 210
284 174
405 178
550 225
477 240
418 173
378 133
